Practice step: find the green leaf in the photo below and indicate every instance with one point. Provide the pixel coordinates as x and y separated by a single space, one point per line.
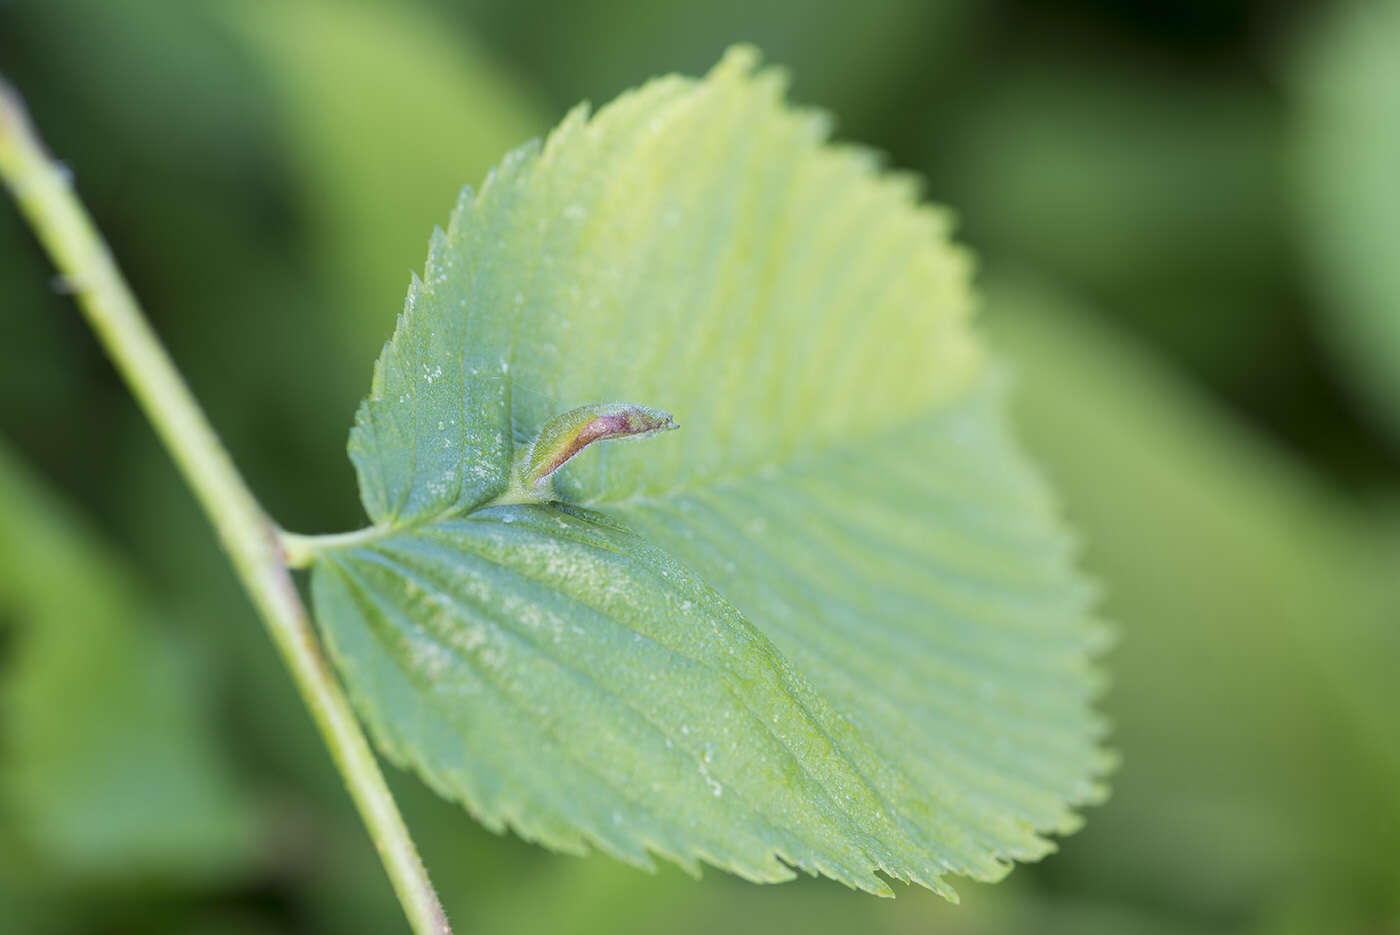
110 763
1348 147
832 624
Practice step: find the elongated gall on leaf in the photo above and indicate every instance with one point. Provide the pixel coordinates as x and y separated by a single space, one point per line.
566 435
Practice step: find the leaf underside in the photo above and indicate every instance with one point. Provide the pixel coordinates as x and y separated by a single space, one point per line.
830 625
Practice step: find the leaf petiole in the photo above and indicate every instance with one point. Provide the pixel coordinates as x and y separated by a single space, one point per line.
299 550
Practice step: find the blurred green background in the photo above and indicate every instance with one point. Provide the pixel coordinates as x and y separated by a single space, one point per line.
1188 218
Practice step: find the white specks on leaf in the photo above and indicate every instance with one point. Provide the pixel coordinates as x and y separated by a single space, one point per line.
715 787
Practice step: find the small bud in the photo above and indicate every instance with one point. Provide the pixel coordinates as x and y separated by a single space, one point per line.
566 435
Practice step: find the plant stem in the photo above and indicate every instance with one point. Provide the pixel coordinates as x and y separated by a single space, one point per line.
44 193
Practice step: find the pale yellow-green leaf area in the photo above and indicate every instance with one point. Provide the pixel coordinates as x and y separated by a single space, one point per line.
698 245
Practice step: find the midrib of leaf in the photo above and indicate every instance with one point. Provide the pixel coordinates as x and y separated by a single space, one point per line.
797 461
